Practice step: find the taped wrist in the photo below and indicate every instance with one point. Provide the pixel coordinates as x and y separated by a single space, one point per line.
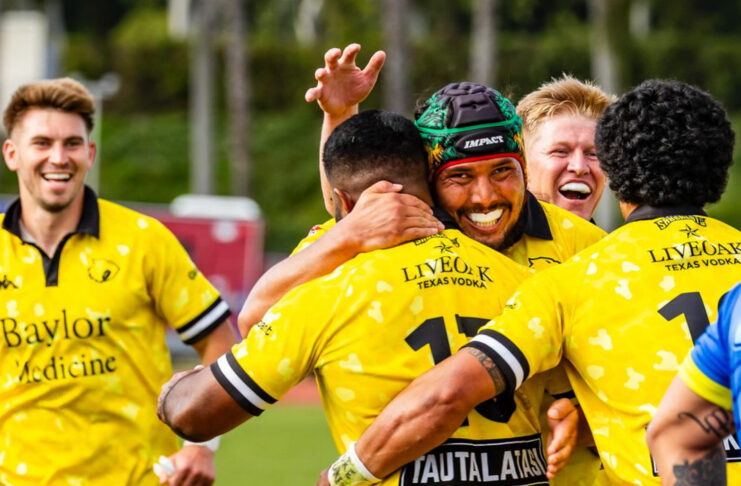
349 470
212 444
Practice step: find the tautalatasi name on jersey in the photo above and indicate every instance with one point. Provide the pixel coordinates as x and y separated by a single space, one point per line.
516 461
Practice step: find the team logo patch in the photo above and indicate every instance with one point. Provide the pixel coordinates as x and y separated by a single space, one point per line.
5 283
102 270
541 262
314 229
664 222
689 231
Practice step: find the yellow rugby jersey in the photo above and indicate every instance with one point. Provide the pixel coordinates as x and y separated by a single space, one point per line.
371 327
624 314
83 353
551 236
316 232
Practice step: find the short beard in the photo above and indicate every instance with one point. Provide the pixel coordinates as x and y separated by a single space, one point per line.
515 232
55 208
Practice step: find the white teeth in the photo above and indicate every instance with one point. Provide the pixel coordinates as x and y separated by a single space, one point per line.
57 177
576 187
486 218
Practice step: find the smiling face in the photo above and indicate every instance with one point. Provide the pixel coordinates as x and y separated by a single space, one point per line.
51 153
562 164
484 197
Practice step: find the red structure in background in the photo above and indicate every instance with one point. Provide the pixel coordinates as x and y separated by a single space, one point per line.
229 252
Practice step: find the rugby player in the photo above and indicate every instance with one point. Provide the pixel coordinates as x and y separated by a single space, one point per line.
374 324
470 185
623 313
687 433
558 122
88 290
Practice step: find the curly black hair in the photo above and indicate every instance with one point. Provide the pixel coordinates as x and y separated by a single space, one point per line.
665 143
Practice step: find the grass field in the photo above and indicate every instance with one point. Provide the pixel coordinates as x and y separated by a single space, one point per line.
288 445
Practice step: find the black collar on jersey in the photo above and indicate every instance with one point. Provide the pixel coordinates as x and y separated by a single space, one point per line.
536 222
651 212
89 223
446 219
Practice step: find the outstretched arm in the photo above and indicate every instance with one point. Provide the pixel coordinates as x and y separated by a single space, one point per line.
196 407
194 463
421 417
383 217
341 87
686 436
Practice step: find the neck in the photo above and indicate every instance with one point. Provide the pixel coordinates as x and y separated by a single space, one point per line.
626 208
49 228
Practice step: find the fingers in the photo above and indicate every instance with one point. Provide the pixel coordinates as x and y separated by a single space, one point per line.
375 64
560 409
557 461
382 187
331 57
323 478
349 54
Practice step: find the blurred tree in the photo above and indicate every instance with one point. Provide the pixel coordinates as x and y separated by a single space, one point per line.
237 96
201 105
484 52
395 75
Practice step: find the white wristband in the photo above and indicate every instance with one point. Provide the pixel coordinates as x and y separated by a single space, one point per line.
212 444
349 470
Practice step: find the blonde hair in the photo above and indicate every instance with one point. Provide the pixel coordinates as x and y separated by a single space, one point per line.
64 94
563 95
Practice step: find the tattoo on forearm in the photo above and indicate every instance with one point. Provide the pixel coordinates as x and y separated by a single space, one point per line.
491 368
719 422
709 470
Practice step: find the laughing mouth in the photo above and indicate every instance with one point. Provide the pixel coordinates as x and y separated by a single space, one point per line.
57 177
486 219
575 190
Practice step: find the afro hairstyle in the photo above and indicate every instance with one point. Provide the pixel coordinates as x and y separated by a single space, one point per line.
665 143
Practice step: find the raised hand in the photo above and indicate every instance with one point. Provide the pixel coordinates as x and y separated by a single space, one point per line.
341 84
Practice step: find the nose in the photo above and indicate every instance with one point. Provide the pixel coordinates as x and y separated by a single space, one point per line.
58 154
578 163
483 192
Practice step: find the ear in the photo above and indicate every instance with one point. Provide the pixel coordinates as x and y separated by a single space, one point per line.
92 150
343 200
9 153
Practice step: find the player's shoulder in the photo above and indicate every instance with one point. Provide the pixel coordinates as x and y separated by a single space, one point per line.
315 232
565 224
115 217
479 252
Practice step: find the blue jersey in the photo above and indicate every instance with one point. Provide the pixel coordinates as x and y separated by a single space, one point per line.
713 368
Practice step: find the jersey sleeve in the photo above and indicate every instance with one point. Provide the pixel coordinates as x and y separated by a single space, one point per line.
182 295
280 351
558 384
314 234
707 369
527 337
